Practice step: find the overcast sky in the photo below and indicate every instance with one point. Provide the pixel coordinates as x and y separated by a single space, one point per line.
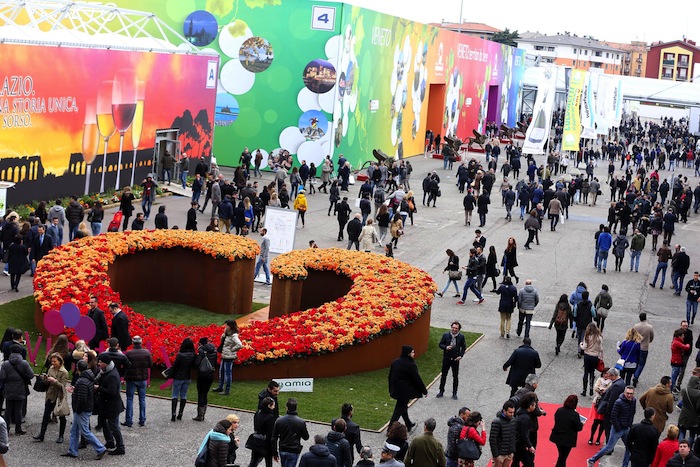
613 21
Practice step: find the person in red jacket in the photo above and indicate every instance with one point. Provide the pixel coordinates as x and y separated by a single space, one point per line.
471 429
666 448
678 348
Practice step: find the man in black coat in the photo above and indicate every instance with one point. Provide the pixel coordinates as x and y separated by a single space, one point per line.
523 361
343 212
453 346
101 329
642 440
354 230
405 384
352 430
318 455
83 404
605 405
684 458
120 326
110 404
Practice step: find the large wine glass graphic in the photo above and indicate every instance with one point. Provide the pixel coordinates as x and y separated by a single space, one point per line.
123 108
105 122
91 141
137 124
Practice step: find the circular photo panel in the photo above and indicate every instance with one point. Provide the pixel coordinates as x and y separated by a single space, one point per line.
319 76
279 158
200 28
313 125
226 109
256 54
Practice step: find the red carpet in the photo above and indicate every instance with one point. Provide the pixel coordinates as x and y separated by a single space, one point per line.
547 452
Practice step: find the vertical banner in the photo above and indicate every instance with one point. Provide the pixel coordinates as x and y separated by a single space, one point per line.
539 129
617 105
572 118
588 106
604 105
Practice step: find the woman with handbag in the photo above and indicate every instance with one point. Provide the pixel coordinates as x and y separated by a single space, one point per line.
230 345
205 364
454 274
57 378
396 229
567 424
470 434
592 347
492 270
260 442
629 350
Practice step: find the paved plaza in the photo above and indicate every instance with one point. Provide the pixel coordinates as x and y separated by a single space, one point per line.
556 266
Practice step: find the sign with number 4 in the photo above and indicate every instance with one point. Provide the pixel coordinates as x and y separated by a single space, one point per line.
323 18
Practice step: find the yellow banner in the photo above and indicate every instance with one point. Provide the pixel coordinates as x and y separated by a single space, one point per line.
572 118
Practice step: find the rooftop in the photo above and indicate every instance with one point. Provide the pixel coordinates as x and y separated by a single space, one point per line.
475 27
566 39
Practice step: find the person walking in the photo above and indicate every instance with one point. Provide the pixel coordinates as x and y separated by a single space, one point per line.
136 377
621 417
602 304
692 299
15 376
522 362
528 299
619 246
660 399
205 362
82 403
603 245
110 404
287 434
602 384
646 330
491 269
453 272
584 314
405 384
664 254
666 448
425 450
506 305
680 262
561 319
472 270
532 225
17 262
263 257
453 345
120 326
181 371
503 436
56 377
636 246
567 424
510 259
642 440
678 349
396 228
230 345
592 349
629 350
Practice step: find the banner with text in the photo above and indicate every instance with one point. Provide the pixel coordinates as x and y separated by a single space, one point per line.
572 118
588 106
604 104
539 129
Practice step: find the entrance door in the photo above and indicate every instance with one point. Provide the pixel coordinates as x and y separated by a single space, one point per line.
493 112
166 140
436 107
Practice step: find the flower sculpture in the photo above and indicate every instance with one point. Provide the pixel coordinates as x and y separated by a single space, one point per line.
386 294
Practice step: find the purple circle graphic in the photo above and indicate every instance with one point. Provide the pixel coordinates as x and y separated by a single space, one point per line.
70 313
85 329
53 322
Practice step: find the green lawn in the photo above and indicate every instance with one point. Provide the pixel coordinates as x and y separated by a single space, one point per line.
184 314
368 392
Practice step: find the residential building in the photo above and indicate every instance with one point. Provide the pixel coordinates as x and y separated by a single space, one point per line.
634 57
570 50
676 60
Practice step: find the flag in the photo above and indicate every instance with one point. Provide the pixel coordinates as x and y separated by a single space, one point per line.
539 129
572 118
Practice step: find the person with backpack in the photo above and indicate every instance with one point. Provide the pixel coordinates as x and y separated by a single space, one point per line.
205 362
561 320
338 446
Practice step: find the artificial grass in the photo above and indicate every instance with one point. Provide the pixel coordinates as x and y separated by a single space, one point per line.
368 392
184 314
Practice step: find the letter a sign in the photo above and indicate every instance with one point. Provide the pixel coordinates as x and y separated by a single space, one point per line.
211 73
